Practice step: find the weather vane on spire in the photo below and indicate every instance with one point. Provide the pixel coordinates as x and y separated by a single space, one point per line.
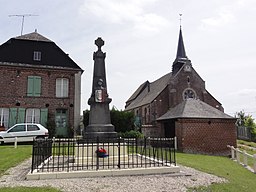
180 18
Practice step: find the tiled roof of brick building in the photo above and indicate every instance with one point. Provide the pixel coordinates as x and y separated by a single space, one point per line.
194 108
34 37
147 92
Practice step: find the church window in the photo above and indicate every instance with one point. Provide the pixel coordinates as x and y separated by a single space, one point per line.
189 94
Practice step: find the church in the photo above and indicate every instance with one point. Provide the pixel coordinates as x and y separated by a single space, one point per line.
179 105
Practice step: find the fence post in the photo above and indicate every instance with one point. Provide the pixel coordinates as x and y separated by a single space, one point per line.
15 142
237 156
254 164
97 160
175 143
232 152
245 158
119 153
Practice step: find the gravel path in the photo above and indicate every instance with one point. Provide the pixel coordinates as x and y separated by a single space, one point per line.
158 183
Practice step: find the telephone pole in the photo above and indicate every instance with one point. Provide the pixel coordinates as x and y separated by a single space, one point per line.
23 18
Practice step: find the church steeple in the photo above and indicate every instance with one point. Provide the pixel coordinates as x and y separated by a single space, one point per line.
181 53
181 57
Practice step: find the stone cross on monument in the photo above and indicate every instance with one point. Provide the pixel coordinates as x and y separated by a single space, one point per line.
99 118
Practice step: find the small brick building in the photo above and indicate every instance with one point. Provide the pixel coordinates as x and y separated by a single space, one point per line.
200 128
39 84
155 105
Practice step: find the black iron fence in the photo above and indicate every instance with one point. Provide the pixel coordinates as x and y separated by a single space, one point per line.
55 155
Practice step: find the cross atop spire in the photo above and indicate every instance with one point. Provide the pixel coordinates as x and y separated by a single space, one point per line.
180 19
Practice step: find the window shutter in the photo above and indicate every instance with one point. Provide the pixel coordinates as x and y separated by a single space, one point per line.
21 115
13 116
37 86
44 117
30 86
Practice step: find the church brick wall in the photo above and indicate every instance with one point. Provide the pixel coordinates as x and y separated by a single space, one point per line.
192 80
206 136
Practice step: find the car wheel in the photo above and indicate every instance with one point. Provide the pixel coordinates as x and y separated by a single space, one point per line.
1 142
40 138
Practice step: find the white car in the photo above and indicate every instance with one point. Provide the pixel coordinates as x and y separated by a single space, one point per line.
23 132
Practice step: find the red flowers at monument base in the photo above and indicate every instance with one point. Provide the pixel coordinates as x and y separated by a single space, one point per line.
101 152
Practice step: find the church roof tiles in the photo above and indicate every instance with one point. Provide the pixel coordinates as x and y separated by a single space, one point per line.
194 108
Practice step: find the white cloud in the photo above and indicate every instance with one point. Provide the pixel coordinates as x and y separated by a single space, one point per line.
224 14
129 13
244 92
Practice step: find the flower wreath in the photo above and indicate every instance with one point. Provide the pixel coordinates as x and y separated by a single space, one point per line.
101 152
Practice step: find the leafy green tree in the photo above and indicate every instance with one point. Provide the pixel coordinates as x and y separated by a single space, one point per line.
122 120
247 121
240 118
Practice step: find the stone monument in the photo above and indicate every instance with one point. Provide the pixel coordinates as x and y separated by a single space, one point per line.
99 118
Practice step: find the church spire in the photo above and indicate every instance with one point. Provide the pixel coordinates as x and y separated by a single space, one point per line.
181 57
181 53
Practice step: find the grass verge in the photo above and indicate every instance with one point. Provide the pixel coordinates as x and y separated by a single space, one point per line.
240 179
10 157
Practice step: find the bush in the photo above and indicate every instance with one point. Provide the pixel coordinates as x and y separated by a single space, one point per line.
51 126
122 120
131 134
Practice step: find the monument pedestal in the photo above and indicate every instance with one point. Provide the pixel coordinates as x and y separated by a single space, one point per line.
101 131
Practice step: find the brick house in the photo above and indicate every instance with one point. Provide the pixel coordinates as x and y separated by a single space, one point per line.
159 109
39 83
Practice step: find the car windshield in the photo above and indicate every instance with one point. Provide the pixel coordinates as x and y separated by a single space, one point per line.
17 128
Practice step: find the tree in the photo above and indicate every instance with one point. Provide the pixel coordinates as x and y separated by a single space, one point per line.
122 120
247 121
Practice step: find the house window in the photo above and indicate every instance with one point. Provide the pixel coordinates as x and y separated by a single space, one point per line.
4 117
37 56
32 115
34 86
62 87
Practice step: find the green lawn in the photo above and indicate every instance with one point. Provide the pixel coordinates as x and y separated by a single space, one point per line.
240 179
10 157
248 143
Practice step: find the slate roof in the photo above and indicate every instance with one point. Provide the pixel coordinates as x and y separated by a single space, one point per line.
147 92
181 53
34 36
19 51
194 108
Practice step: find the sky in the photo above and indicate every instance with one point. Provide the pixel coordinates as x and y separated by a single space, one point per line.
141 39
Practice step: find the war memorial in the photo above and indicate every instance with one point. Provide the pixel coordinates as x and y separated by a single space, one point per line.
101 152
